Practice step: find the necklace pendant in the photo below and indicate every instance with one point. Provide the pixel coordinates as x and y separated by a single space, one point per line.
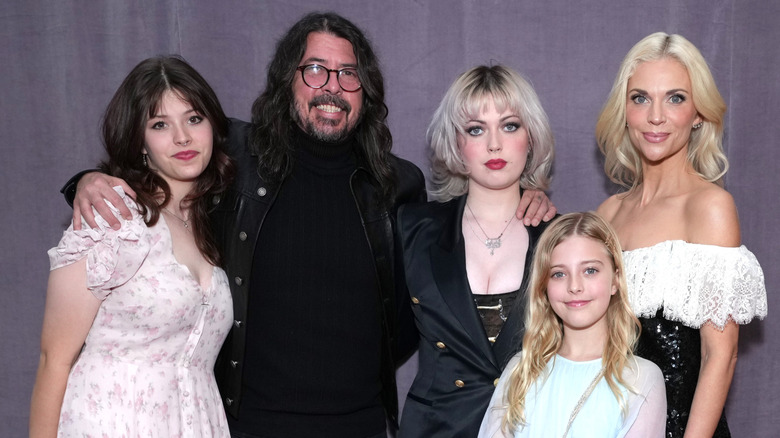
186 223
493 244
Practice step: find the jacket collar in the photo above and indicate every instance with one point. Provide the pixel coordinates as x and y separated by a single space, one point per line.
451 236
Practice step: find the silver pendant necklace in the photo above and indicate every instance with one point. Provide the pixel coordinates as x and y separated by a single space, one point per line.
492 243
183 221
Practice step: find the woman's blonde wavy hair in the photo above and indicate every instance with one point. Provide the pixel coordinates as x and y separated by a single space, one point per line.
464 100
622 162
544 329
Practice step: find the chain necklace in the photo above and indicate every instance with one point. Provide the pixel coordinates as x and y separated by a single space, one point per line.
183 221
582 400
492 243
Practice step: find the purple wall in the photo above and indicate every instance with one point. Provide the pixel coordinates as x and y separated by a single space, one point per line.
60 61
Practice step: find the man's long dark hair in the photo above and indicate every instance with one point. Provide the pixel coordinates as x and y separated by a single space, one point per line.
124 125
271 112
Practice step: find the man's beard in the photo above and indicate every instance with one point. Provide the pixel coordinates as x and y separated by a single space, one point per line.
311 128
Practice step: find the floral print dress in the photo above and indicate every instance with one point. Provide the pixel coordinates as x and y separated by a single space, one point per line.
146 369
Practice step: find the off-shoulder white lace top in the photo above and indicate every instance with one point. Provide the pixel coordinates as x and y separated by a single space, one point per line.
696 284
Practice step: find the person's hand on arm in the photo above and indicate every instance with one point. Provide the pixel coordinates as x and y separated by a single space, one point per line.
69 313
535 207
92 191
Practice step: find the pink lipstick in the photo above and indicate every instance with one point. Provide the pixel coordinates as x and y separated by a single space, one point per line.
185 155
655 137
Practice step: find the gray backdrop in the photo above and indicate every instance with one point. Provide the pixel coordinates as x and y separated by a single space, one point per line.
60 62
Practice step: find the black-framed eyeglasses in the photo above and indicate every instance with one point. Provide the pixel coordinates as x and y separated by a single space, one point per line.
317 76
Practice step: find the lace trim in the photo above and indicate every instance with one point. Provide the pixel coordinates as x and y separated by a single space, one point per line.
696 284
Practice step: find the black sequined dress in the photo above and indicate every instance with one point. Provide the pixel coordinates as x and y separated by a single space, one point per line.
676 349
675 288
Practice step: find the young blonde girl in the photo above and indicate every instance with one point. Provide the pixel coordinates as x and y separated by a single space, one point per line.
576 375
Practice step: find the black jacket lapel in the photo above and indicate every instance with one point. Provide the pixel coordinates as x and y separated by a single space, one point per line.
448 262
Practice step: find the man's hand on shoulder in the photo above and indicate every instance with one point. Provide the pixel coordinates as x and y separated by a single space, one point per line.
535 207
92 191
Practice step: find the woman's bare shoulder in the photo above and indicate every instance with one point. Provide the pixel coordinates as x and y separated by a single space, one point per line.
711 216
609 208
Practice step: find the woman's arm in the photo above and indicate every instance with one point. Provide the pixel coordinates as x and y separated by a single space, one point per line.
70 310
718 361
714 221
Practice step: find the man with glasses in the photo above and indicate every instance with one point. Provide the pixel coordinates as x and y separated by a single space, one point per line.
306 230
314 353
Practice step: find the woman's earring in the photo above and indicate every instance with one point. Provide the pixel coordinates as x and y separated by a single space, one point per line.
143 157
698 125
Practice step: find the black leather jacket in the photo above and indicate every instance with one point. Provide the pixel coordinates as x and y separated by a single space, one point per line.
237 220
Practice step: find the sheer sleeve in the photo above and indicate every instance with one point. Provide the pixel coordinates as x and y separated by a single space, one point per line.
113 256
647 408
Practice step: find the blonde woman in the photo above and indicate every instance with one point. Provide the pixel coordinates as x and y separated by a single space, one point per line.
689 279
576 375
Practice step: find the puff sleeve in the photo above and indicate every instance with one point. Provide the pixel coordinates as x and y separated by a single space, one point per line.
113 256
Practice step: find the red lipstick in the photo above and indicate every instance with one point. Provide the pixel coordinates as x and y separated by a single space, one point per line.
495 164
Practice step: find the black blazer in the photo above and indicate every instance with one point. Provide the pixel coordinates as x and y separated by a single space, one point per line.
458 366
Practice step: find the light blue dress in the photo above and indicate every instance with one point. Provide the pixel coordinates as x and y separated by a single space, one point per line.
551 400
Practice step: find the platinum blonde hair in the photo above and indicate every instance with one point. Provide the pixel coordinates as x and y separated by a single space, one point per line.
464 100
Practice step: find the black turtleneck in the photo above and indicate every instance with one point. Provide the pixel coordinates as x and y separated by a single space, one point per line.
315 334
